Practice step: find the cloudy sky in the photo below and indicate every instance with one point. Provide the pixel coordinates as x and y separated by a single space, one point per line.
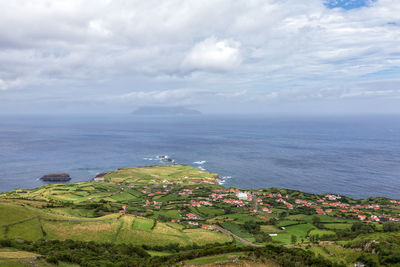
289 56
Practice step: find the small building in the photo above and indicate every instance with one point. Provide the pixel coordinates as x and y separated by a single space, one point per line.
242 196
207 227
192 216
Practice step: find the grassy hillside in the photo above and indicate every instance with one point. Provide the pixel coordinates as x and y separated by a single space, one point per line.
170 208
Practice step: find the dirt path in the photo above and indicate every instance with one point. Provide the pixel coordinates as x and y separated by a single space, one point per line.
244 241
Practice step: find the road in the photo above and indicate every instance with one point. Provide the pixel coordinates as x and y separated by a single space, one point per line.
244 241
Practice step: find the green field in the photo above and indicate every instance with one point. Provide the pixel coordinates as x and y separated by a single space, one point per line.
100 231
142 224
320 232
29 230
237 230
333 226
282 238
157 174
14 213
299 230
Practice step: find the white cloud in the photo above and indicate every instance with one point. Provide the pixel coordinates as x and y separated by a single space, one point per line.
11 84
263 47
213 55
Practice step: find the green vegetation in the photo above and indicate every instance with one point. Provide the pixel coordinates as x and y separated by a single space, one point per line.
142 224
180 214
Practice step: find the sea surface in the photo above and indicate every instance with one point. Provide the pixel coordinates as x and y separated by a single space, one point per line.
357 156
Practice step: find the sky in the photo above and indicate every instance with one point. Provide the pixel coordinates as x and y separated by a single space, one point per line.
219 56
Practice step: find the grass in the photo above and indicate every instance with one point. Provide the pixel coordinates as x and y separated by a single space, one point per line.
282 238
74 212
242 218
156 174
17 254
213 259
286 223
337 253
25 262
29 230
161 235
142 224
321 232
235 229
210 211
124 197
11 213
270 229
173 214
101 231
203 237
299 230
323 219
296 217
336 226
158 253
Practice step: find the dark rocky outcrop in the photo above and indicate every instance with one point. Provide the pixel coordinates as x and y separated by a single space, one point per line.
56 177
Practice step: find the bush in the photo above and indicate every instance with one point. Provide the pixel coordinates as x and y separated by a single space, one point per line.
391 227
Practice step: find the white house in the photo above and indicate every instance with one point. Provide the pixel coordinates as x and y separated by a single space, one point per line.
242 196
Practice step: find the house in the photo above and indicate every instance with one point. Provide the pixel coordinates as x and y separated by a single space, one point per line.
320 211
242 196
267 210
207 227
375 218
362 217
193 223
206 203
192 216
300 201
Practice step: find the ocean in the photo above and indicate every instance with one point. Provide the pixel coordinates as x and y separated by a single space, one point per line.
356 156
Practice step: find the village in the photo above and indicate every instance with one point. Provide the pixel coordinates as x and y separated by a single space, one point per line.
179 204
257 203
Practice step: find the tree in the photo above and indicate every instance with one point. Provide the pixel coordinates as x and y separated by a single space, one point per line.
391 227
251 227
228 210
316 221
294 239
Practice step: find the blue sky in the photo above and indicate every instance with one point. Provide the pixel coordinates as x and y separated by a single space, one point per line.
264 56
348 4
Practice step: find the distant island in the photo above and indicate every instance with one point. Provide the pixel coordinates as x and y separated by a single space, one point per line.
166 111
